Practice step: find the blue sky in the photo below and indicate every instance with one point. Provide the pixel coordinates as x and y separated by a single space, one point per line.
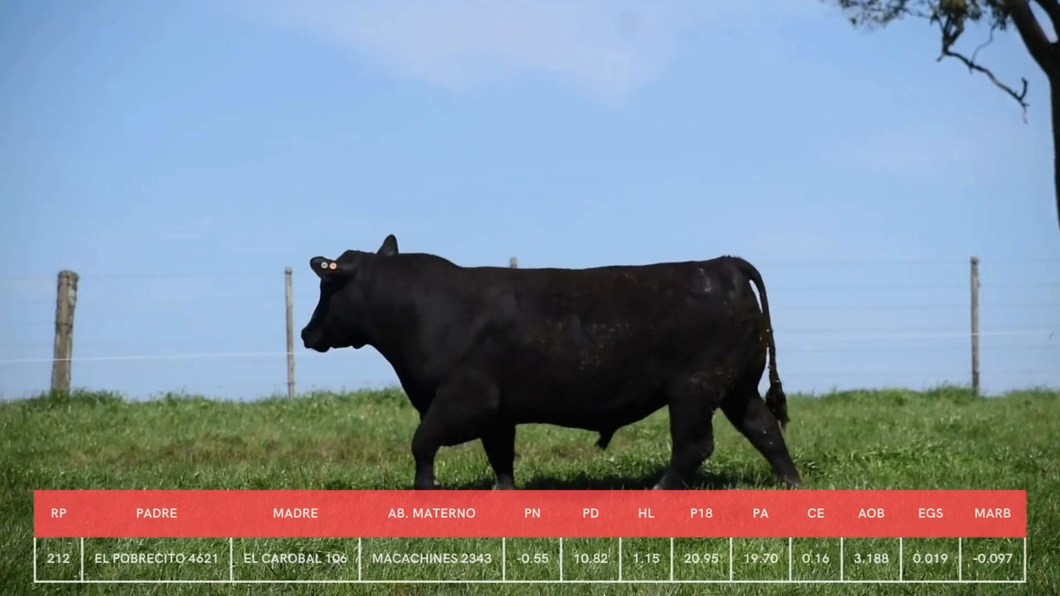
179 155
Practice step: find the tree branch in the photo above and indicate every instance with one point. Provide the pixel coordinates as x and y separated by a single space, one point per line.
1052 10
1031 33
952 27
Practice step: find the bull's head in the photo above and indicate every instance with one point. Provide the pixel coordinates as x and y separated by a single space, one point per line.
340 320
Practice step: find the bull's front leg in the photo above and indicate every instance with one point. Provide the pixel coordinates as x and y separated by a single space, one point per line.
499 443
461 411
422 411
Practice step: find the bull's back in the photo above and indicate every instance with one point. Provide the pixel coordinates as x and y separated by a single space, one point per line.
573 345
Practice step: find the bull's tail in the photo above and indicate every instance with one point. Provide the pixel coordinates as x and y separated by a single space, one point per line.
776 401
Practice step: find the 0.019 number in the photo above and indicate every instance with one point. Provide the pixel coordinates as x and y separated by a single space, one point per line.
930 558
536 558
58 559
872 559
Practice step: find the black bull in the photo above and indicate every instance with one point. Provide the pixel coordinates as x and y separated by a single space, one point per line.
479 350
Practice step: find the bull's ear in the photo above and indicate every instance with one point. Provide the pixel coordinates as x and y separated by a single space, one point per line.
325 267
389 247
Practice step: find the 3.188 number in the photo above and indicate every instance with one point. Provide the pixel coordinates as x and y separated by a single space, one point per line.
871 558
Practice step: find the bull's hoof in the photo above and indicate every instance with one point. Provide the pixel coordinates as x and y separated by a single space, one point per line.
421 485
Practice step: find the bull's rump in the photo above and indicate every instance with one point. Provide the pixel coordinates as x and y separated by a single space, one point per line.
599 348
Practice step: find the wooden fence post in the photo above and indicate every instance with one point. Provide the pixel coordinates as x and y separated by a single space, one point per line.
64 331
513 263
975 325
289 295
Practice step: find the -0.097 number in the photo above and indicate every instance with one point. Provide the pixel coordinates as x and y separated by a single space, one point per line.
993 558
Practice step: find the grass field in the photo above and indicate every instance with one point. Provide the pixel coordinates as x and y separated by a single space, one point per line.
944 438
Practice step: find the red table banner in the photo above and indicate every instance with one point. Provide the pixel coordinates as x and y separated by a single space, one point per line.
528 513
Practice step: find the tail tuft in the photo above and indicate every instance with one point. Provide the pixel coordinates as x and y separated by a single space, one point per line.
605 439
777 403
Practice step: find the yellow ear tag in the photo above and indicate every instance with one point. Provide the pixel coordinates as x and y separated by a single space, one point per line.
333 266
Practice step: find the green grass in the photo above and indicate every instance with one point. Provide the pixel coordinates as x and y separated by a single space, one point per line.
894 439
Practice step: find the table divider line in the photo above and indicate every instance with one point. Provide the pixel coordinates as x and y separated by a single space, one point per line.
231 560
504 560
358 559
493 581
790 576
34 559
960 559
1024 559
901 561
82 559
730 559
841 559
560 559
671 559
619 558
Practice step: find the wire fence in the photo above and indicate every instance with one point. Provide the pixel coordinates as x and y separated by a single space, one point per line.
839 325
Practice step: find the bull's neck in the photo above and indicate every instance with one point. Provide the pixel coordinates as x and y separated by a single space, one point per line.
386 313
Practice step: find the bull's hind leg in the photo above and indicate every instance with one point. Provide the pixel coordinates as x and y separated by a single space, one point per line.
749 414
461 411
499 443
691 433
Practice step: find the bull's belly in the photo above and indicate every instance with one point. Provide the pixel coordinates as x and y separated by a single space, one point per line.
590 402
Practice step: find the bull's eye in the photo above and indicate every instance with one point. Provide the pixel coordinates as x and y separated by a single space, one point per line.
324 265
